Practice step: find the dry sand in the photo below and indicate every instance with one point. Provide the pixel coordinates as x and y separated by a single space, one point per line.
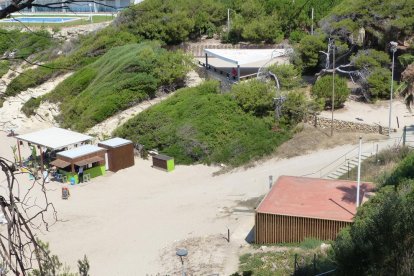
11 118
377 113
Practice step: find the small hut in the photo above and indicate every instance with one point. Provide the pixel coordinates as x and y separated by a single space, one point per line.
163 162
90 158
301 207
119 155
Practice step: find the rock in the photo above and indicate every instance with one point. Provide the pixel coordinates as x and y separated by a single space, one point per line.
325 246
263 247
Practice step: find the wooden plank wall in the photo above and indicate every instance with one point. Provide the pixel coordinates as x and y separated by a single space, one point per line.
272 228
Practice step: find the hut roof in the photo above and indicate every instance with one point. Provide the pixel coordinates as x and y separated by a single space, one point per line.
314 198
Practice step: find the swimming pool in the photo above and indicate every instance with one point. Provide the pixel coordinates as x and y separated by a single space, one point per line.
40 19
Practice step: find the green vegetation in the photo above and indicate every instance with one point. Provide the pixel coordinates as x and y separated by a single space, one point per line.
378 167
31 105
281 261
201 125
380 240
173 21
119 79
89 49
51 264
255 97
289 76
322 91
382 20
4 67
308 51
24 44
253 20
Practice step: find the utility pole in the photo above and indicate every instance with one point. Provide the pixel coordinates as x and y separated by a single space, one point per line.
393 50
333 86
228 20
359 171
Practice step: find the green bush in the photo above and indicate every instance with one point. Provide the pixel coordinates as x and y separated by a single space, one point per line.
4 67
379 83
200 125
30 106
308 51
24 44
370 59
295 107
379 242
322 90
255 97
288 75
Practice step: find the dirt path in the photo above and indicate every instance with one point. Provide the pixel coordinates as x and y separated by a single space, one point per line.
13 72
11 116
105 128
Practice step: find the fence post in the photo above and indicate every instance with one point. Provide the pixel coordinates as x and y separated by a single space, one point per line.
404 135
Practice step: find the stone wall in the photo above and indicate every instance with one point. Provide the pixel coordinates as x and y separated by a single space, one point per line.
323 123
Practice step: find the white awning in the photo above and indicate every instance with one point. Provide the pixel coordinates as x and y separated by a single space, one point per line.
80 151
245 56
54 138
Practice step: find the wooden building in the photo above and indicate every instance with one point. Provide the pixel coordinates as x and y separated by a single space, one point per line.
300 207
120 153
163 162
90 158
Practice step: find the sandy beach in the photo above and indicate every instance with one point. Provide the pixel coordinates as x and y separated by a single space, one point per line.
131 222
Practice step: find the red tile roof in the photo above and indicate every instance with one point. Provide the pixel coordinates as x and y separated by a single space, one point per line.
314 198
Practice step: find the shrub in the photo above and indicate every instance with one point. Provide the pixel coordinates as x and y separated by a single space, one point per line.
379 83
295 107
308 50
255 97
288 75
200 125
4 67
322 90
30 106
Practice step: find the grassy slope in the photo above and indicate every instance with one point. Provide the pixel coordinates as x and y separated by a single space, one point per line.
4 67
117 80
200 125
88 50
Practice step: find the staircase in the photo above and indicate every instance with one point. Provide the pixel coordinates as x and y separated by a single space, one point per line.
348 164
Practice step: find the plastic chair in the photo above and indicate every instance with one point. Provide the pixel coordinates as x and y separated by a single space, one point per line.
86 177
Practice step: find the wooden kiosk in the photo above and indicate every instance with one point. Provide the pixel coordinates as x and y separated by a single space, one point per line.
120 153
91 158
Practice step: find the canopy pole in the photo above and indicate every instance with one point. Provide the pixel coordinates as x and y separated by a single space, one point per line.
41 160
18 149
238 73
206 61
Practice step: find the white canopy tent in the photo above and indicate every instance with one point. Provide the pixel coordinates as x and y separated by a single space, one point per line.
52 138
241 57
